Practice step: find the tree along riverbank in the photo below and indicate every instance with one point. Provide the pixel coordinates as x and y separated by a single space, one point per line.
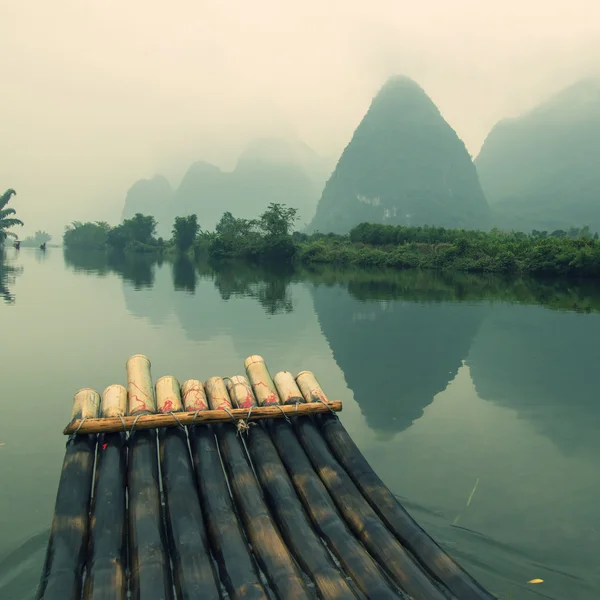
271 238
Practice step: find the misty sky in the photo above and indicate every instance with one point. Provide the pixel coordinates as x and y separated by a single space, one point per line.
99 93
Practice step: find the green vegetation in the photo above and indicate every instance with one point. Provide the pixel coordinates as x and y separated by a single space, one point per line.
7 222
267 237
404 165
185 231
135 234
459 250
575 252
86 235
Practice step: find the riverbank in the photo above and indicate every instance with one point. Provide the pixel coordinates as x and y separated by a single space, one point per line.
270 239
457 250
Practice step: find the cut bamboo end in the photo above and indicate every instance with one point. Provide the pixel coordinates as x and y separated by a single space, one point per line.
155 421
86 404
240 392
114 401
310 388
255 358
168 395
140 356
261 381
216 392
193 395
288 389
140 392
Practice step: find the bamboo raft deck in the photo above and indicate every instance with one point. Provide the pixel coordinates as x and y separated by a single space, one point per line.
241 487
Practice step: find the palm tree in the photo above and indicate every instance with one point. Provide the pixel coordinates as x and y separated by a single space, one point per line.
5 222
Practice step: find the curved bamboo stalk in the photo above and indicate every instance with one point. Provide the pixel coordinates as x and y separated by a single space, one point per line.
150 572
320 507
230 549
107 552
286 507
393 514
268 547
65 556
188 547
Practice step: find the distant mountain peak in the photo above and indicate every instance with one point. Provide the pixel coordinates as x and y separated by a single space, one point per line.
406 156
539 170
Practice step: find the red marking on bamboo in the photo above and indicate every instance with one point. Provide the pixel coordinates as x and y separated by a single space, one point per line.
248 401
166 407
197 404
271 399
222 403
142 403
318 394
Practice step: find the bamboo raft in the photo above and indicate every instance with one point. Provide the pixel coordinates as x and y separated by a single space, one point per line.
236 488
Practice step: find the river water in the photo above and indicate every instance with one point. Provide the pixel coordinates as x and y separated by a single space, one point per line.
475 398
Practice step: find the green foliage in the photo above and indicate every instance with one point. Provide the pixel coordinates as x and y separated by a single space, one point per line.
136 233
268 237
560 253
185 230
234 237
86 235
6 222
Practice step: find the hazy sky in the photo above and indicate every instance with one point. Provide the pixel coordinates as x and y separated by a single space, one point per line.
99 93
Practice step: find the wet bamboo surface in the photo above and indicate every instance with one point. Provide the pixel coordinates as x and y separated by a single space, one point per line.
283 508
386 505
193 571
106 577
286 507
149 567
65 556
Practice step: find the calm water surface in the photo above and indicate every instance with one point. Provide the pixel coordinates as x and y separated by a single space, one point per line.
454 387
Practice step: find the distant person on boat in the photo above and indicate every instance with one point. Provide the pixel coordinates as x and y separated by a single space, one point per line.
43 247
17 245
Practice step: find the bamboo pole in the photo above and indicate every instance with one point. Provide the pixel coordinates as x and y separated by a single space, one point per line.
268 547
263 385
319 505
193 396
140 392
154 421
107 552
148 560
230 549
188 547
361 518
287 510
65 557
385 504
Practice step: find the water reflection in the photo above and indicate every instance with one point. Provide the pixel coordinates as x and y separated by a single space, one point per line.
544 365
398 337
8 274
184 274
136 268
396 355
